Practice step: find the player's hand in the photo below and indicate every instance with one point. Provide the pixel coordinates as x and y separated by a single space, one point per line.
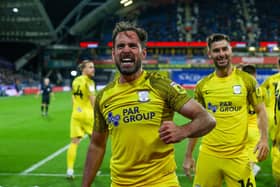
170 133
263 149
189 166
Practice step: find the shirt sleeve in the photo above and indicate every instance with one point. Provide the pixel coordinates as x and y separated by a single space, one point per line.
174 94
99 121
255 95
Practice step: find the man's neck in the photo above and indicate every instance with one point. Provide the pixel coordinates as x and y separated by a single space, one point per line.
224 72
130 78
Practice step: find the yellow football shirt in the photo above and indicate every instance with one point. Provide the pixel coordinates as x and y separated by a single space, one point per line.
227 99
270 85
133 112
252 118
275 134
82 88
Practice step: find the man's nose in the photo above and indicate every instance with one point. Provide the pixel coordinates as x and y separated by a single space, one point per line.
126 48
221 52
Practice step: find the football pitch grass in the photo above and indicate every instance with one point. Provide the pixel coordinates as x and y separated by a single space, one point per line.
33 147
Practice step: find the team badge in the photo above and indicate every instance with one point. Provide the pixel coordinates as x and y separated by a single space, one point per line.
143 96
237 89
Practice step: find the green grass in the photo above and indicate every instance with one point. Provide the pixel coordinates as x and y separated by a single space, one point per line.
27 138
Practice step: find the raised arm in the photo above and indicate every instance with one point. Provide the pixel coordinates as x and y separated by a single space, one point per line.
95 156
201 122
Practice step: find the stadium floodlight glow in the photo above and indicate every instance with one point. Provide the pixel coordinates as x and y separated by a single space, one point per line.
123 1
15 10
252 48
126 3
275 48
73 73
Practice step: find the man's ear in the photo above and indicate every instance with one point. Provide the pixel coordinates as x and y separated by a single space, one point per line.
113 53
209 54
144 52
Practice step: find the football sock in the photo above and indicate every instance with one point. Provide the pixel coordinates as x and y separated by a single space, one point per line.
71 155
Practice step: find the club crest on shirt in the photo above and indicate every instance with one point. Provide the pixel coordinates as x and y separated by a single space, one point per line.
237 89
143 96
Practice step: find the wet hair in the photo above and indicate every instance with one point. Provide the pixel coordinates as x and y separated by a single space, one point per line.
83 63
216 37
127 26
249 68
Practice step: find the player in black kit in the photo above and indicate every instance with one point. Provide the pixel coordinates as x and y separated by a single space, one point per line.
46 91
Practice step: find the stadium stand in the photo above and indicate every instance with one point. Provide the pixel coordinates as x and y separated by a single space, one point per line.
51 46
268 18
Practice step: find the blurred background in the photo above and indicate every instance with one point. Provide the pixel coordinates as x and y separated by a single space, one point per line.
47 38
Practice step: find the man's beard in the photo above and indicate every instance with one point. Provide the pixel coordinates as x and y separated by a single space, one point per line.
218 66
130 71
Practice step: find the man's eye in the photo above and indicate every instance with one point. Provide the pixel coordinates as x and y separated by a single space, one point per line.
225 49
120 46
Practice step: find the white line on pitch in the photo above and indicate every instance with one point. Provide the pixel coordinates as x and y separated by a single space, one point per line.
48 174
40 163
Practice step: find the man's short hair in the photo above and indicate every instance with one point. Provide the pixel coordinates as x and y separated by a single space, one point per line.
83 63
249 68
128 26
215 38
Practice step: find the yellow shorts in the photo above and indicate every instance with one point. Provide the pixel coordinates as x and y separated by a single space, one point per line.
211 170
166 181
80 127
253 138
275 155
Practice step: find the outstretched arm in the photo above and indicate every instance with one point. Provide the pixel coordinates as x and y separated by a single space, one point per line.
201 123
95 156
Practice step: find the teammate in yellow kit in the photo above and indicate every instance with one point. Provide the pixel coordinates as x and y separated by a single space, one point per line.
137 110
83 98
275 152
272 87
226 94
